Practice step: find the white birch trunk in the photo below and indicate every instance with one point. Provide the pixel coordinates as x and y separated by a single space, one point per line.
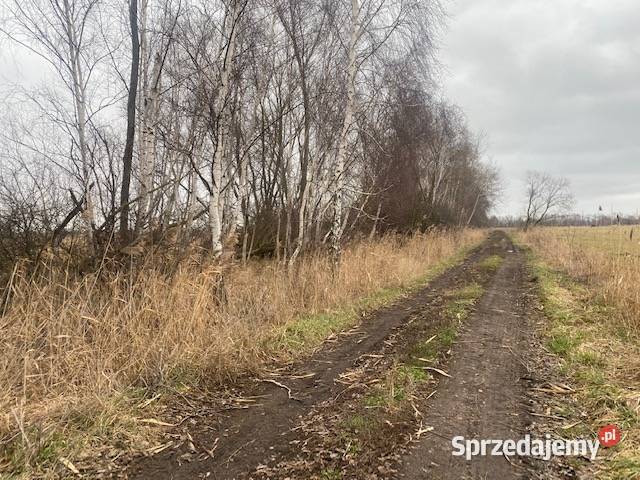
215 197
237 213
149 120
374 228
338 177
79 100
473 211
148 147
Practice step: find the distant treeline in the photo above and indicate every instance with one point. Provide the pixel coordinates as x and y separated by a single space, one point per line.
577 220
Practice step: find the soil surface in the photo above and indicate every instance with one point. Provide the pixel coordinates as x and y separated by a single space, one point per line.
287 425
485 397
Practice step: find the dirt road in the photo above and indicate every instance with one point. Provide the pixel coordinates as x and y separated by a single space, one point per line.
317 419
485 397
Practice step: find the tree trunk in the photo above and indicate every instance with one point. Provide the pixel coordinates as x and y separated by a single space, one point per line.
374 228
127 157
191 209
79 100
304 160
473 211
238 206
215 201
149 121
338 180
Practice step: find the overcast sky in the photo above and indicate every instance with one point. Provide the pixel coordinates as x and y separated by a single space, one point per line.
555 86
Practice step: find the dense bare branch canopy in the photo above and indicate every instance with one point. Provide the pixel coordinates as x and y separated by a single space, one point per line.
236 127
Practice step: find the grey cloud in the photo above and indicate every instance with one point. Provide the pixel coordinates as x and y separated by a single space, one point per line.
555 85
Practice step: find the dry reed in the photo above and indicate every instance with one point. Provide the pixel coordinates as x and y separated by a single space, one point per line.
605 257
68 341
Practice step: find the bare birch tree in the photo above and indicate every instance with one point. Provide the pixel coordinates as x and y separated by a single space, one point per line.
274 122
546 195
58 32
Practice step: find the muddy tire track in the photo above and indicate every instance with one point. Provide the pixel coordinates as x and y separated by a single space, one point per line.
486 395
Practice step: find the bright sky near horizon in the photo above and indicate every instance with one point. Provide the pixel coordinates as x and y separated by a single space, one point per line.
554 85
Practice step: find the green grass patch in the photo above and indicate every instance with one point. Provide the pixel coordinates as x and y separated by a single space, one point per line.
562 343
430 349
447 336
589 358
310 330
360 423
463 300
591 376
331 474
623 468
44 451
411 373
491 263
375 400
473 291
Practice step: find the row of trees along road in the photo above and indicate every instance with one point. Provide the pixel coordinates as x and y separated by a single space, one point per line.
251 127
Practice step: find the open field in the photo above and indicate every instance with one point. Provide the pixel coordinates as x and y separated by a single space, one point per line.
607 258
616 239
588 287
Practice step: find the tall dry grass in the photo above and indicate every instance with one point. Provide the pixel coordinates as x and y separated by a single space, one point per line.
66 340
605 256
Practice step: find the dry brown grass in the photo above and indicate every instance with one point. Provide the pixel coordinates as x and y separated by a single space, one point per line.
70 344
594 326
605 257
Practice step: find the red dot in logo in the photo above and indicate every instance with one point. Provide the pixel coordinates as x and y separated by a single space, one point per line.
609 435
